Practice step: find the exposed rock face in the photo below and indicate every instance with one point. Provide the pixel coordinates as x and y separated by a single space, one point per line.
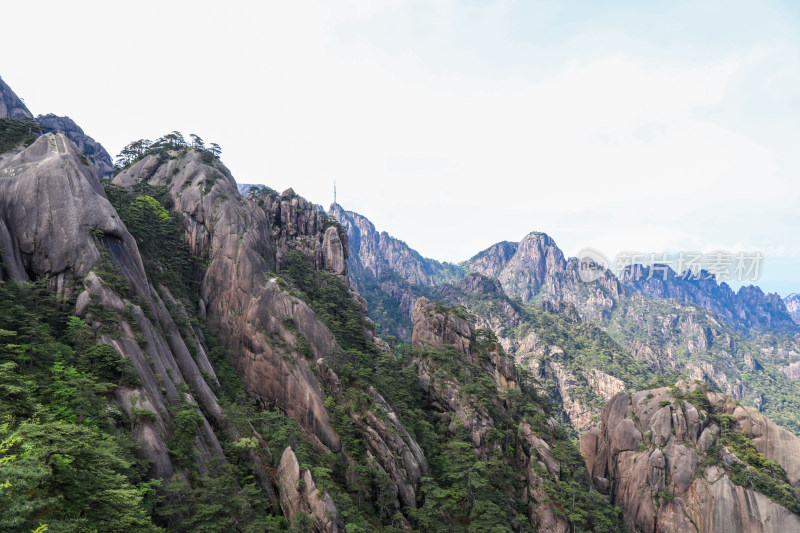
51 199
388 272
11 106
536 257
101 160
296 224
792 303
516 331
387 439
435 328
299 493
377 254
535 269
653 454
389 444
334 253
55 222
245 240
605 385
493 260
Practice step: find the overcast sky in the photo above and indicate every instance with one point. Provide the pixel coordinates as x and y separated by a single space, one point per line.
651 126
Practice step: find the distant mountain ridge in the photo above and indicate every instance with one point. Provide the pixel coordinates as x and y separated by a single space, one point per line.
744 343
375 254
537 271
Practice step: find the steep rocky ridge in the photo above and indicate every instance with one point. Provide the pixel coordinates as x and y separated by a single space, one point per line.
388 273
374 254
535 270
244 242
674 337
11 105
746 309
57 224
743 342
276 341
101 160
687 459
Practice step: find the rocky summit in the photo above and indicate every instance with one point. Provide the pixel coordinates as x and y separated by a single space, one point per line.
182 352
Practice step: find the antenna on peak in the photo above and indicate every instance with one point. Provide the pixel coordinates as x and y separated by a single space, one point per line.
334 191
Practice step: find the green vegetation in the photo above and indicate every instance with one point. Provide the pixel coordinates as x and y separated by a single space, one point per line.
754 471
462 492
384 309
161 147
159 236
330 298
583 346
15 132
482 495
66 459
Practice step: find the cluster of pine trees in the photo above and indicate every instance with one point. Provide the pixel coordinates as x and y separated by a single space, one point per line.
135 150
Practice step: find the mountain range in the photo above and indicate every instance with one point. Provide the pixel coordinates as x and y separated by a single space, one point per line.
182 352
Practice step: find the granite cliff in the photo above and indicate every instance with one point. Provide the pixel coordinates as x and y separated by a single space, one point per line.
688 459
11 105
57 225
792 303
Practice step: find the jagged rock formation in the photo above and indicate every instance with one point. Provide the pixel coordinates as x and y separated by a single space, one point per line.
747 308
280 348
698 327
436 328
299 493
56 223
375 254
388 273
535 270
676 459
522 268
245 241
101 160
543 343
792 303
389 444
11 106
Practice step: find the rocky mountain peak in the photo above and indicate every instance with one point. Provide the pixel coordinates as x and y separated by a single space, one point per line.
492 260
101 160
522 268
792 303
11 106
